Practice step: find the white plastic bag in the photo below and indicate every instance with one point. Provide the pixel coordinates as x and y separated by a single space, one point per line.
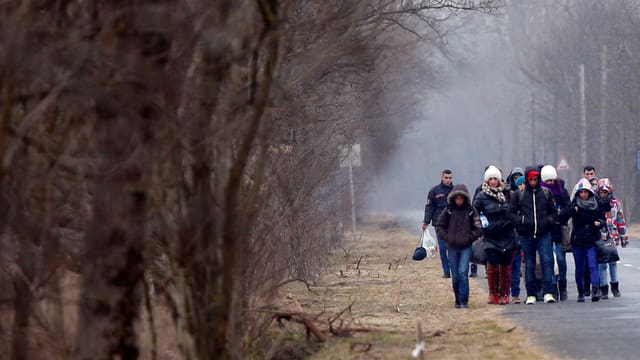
429 242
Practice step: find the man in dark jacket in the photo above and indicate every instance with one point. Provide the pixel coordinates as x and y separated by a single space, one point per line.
436 202
533 211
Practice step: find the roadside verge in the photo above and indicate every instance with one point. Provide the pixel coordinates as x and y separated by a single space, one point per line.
371 298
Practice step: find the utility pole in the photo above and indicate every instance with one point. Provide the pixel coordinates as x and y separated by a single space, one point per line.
533 128
349 156
583 119
603 107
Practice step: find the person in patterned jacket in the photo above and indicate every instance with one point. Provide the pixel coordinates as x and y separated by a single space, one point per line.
617 230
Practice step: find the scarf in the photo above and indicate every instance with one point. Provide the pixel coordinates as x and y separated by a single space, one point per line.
556 187
494 192
590 204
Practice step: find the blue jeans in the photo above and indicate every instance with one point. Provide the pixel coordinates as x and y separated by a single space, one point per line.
516 271
613 272
442 246
459 263
561 258
583 256
543 246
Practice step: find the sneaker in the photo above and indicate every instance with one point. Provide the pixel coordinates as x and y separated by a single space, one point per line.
531 300
515 299
465 305
548 298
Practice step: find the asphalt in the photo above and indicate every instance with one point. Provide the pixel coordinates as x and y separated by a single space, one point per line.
607 329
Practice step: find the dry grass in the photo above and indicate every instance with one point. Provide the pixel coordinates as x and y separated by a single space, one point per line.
385 267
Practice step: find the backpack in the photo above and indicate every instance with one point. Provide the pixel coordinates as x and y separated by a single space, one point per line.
547 194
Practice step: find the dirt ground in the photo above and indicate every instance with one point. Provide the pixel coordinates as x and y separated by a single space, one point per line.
377 296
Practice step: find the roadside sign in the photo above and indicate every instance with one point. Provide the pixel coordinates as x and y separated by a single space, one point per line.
350 155
563 165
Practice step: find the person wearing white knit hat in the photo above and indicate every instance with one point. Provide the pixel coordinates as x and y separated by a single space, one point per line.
561 197
492 172
499 235
548 172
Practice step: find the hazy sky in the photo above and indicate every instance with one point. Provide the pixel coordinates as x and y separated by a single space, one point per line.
460 128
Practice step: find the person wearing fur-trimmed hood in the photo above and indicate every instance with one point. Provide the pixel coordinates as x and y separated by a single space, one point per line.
459 225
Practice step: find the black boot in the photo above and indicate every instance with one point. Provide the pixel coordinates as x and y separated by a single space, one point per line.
562 289
456 293
595 293
615 290
539 290
580 297
587 291
604 292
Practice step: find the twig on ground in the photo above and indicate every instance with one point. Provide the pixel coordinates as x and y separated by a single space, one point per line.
397 304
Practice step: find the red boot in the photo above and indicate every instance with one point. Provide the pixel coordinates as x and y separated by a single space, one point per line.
492 280
504 287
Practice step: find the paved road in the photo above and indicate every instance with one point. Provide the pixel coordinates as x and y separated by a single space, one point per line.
605 329
608 329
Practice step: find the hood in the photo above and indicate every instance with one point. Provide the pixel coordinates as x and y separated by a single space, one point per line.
459 189
510 178
583 184
514 171
527 171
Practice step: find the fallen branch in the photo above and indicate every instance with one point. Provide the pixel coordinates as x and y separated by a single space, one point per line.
311 328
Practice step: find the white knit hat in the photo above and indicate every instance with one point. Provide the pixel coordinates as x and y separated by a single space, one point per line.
492 172
548 172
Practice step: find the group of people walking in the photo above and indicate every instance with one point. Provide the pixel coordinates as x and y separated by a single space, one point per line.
528 215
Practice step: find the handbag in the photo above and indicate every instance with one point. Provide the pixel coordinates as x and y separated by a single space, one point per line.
565 235
420 252
478 254
607 251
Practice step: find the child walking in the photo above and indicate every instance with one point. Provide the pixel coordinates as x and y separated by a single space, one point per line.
458 226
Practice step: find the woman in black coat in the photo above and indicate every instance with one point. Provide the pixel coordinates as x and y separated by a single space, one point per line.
499 235
588 217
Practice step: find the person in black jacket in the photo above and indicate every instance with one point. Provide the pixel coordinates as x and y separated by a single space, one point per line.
459 226
499 235
533 212
436 202
588 216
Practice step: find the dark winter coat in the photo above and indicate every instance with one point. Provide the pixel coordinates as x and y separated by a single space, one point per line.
535 214
500 234
458 226
585 233
436 202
